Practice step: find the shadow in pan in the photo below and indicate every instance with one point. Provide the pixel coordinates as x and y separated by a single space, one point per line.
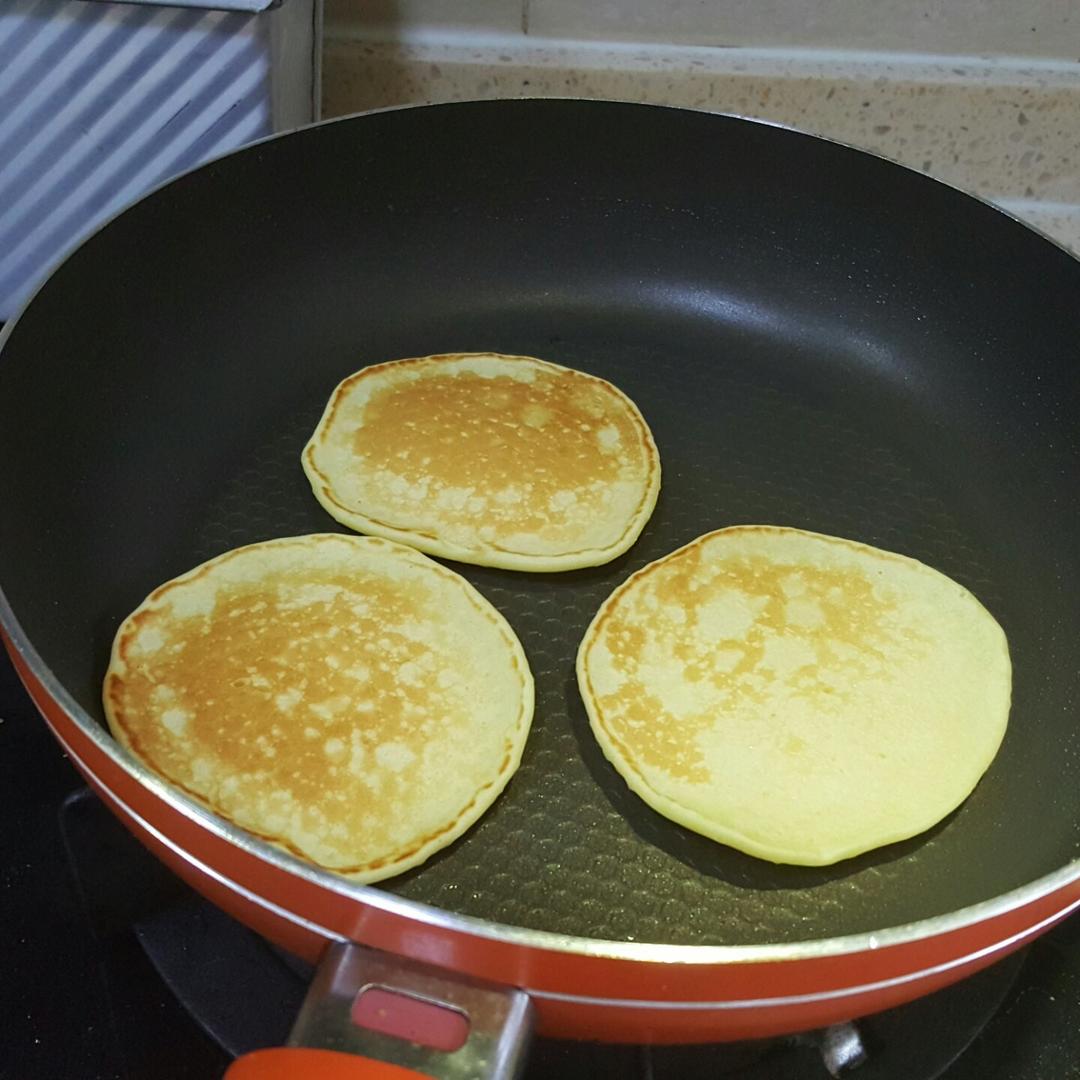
709 857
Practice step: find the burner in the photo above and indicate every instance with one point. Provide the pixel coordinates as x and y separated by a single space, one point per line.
245 994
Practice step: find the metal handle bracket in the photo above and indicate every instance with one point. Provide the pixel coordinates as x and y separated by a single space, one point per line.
499 1020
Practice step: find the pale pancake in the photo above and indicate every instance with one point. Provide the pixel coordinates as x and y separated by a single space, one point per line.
797 696
496 460
344 697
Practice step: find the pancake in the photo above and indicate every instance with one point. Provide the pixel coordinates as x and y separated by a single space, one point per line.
496 460
796 696
344 697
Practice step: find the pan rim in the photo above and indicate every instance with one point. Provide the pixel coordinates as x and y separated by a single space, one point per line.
998 949
439 918
66 253
503 933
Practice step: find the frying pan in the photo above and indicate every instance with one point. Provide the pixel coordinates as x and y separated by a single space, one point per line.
817 337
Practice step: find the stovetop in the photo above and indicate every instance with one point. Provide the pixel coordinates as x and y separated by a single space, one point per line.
104 953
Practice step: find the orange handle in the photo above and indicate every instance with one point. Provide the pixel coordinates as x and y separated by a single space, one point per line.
304 1063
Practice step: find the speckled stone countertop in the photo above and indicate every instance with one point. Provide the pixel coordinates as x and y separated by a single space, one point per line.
1006 130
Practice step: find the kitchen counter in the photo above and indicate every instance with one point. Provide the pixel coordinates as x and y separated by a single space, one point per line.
1003 128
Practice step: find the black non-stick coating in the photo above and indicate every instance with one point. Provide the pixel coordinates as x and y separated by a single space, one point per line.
817 338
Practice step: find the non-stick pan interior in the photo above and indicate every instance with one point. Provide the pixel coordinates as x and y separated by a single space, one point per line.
817 338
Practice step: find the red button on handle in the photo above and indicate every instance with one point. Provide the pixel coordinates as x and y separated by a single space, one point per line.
438 1027
365 1006
305 1063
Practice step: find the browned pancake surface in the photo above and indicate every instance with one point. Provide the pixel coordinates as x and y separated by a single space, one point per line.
801 697
342 696
497 460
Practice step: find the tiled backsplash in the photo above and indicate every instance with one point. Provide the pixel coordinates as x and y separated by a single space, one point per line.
980 93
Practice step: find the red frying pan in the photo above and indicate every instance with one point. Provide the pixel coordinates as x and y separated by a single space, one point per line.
817 337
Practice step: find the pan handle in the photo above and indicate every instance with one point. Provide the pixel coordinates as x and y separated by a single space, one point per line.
380 1017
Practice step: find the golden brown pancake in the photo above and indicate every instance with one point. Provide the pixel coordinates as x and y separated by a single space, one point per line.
344 697
800 697
496 460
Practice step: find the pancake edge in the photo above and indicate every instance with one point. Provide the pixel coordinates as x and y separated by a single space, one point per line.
698 823
495 558
389 866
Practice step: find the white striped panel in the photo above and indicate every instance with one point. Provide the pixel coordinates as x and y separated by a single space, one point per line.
100 101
